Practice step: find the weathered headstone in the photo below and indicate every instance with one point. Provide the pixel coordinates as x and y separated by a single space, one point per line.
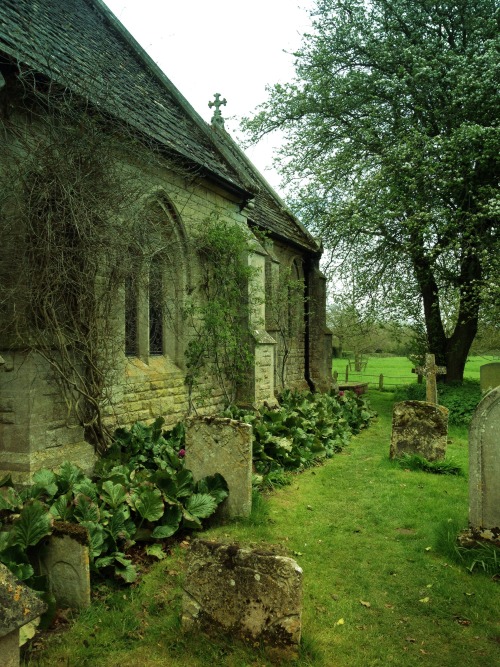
484 467
249 594
419 428
225 446
430 371
63 558
489 376
19 605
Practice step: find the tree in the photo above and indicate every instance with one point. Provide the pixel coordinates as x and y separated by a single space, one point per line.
391 145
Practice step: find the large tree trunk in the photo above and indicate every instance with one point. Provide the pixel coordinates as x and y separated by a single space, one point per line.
450 352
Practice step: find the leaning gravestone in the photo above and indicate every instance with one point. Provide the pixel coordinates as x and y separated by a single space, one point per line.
225 446
249 594
419 428
489 376
19 605
484 468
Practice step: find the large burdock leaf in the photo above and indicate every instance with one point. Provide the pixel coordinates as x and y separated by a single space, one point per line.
170 523
148 503
9 499
113 494
86 509
33 524
96 537
214 485
201 505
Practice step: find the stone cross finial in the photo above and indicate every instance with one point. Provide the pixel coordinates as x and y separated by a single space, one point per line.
430 371
217 118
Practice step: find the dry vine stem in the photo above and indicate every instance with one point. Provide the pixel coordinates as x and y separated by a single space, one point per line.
71 234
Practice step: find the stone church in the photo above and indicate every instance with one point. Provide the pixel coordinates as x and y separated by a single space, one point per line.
110 182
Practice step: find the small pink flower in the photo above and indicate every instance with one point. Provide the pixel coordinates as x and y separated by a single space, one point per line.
181 453
341 393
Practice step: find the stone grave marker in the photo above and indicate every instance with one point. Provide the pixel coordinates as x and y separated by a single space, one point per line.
225 446
484 468
19 605
249 594
63 558
430 371
419 427
489 376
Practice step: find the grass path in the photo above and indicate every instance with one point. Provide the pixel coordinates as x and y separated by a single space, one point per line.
361 528
377 590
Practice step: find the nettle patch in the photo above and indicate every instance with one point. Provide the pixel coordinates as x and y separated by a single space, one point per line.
141 491
305 428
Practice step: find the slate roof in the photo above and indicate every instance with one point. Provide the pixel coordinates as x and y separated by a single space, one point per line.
81 45
270 212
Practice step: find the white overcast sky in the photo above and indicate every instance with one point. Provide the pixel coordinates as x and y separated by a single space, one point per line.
221 46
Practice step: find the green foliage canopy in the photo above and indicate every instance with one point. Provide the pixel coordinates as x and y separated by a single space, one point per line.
392 142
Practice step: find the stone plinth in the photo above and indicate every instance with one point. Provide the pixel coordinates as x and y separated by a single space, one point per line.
419 428
245 593
484 466
224 446
18 606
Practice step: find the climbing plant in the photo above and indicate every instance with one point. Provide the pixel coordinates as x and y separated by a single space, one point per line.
71 235
219 310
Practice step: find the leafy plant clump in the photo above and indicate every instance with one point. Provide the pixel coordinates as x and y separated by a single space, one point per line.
460 399
304 429
416 462
142 491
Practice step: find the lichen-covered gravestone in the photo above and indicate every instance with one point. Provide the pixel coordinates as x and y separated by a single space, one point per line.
224 446
489 376
249 594
18 606
484 468
419 427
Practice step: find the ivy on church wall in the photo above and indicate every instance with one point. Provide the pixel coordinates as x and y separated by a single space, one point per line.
218 311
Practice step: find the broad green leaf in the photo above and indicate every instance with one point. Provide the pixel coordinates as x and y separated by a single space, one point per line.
5 538
104 561
86 509
126 571
46 480
201 505
88 488
190 521
63 507
215 485
22 571
96 537
185 483
156 551
9 499
148 503
68 476
33 524
113 494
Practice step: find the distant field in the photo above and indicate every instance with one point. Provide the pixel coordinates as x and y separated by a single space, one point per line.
397 370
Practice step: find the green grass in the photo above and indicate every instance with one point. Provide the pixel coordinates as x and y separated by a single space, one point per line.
364 531
397 370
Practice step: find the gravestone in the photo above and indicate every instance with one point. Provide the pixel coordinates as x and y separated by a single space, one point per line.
489 376
221 445
249 594
419 427
430 371
63 558
19 605
484 468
